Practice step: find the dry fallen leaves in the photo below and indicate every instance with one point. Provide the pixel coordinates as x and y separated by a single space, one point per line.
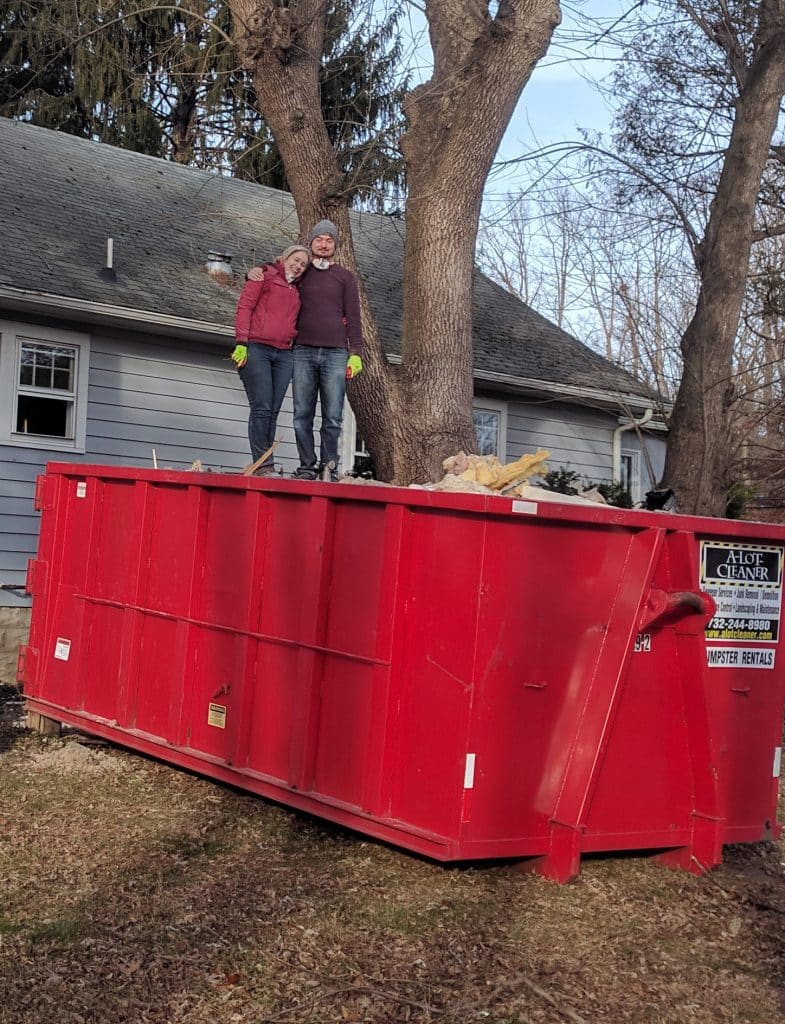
138 894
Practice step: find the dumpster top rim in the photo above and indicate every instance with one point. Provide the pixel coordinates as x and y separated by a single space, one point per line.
459 501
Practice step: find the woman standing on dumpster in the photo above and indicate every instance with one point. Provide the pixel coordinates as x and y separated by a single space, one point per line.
265 326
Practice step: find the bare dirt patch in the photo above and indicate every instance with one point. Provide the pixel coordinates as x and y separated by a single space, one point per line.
135 892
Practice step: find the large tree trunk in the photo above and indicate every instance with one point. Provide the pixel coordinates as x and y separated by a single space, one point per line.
697 465
413 416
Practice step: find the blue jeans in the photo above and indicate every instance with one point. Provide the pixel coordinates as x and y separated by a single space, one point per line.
318 372
265 377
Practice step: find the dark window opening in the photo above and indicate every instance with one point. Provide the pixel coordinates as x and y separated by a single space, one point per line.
44 416
363 463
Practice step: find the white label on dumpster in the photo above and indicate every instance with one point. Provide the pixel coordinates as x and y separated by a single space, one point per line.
81 489
216 715
62 649
468 772
745 581
528 508
740 657
777 762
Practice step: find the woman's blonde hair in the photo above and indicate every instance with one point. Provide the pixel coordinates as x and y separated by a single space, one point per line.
292 249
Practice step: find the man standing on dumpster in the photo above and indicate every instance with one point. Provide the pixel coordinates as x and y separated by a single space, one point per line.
327 351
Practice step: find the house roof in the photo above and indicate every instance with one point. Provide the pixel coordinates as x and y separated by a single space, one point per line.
63 197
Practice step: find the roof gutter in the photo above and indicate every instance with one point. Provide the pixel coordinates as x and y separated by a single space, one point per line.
46 304
588 395
594 396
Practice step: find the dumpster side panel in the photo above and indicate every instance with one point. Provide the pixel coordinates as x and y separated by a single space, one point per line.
221 533
348 738
535 665
433 669
645 788
215 605
155 684
144 555
752 737
59 572
287 622
60 647
112 549
660 767
438 670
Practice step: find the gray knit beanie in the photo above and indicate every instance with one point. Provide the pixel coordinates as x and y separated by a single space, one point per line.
324 227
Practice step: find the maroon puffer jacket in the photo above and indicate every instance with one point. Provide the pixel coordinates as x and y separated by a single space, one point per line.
267 310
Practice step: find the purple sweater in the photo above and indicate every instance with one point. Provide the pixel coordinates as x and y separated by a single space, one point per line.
330 310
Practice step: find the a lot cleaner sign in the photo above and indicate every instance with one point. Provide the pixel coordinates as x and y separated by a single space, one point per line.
745 581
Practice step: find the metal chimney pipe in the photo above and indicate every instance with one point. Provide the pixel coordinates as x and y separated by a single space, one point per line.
219 265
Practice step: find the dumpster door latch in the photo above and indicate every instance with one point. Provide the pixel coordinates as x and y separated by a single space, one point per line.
45 493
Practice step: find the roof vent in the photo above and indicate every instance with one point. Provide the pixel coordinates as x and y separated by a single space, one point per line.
219 265
107 271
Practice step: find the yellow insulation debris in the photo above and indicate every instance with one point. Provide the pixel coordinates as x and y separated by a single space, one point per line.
485 471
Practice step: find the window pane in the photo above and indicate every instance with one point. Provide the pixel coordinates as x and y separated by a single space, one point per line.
47 366
65 360
27 365
486 425
42 378
630 473
626 472
47 417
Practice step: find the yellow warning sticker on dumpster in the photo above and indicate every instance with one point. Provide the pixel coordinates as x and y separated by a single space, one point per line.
745 581
216 715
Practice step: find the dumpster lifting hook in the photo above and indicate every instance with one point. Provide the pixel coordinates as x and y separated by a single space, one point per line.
677 603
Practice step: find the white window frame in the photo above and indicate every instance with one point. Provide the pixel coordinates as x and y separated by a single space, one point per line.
348 438
635 471
493 405
11 336
349 450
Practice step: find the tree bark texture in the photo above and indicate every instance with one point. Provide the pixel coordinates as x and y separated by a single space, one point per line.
415 415
698 461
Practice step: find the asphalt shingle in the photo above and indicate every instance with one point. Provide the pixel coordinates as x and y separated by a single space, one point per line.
63 197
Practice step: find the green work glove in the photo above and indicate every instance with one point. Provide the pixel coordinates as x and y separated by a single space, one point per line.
353 367
239 355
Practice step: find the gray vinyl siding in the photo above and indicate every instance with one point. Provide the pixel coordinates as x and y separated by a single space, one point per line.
19 468
578 439
185 403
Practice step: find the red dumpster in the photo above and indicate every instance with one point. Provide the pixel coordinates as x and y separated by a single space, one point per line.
464 676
